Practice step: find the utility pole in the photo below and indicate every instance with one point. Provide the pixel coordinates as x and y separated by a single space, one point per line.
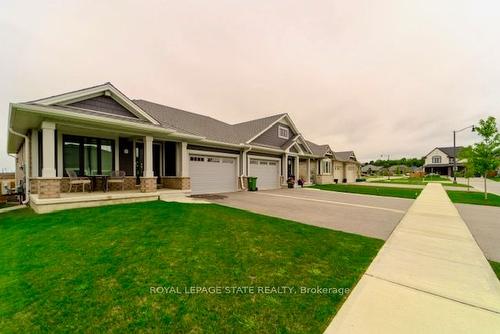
455 150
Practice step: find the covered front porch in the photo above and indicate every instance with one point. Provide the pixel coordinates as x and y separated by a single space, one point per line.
63 154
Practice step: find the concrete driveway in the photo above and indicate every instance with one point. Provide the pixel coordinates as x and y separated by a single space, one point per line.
372 216
493 187
484 224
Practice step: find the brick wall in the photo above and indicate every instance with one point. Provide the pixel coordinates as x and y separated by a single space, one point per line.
49 188
129 184
148 184
175 182
324 179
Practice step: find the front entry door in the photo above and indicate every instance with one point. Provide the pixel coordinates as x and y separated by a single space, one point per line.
290 167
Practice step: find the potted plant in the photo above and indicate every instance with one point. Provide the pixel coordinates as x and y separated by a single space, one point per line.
290 182
301 182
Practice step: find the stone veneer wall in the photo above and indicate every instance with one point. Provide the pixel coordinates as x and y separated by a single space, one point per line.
176 182
47 187
324 179
148 184
130 184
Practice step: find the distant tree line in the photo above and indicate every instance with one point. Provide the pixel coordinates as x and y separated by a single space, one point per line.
410 162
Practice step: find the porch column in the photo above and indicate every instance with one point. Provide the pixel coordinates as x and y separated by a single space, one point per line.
148 156
34 153
296 168
117 154
49 155
244 163
308 171
49 185
181 180
184 160
284 168
148 181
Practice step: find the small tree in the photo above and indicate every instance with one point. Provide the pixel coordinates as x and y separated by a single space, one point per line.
486 154
468 159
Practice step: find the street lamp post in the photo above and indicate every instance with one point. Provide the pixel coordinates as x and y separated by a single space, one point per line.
455 150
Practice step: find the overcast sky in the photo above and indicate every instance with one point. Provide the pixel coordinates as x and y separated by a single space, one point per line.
378 77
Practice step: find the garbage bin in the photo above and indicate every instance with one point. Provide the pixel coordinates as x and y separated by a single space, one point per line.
252 183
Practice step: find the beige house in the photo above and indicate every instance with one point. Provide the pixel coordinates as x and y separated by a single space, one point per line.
332 167
150 150
441 161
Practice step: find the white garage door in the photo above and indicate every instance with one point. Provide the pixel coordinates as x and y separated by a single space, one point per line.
212 174
351 173
266 171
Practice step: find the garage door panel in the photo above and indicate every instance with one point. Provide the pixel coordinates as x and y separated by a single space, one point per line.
212 174
266 171
351 173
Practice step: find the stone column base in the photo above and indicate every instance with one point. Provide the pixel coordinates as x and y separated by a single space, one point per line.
49 187
176 182
148 184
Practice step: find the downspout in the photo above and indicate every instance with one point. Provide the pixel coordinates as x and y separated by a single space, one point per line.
245 151
26 163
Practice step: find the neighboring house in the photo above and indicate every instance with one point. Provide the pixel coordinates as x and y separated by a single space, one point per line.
399 169
441 159
370 169
7 182
332 167
97 130
350 165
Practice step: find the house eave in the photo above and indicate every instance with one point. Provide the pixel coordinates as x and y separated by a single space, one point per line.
49 113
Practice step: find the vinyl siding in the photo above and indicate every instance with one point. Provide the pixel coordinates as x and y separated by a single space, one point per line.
103 104
270 137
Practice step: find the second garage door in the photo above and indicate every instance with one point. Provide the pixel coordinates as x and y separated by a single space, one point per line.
351 173
266 171
212 174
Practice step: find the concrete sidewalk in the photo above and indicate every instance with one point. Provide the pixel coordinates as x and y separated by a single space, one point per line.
429 277
413 186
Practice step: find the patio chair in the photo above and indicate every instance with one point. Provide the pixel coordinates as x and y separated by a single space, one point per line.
117 176
76 180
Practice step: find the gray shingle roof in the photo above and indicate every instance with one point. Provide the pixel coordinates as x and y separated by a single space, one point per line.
343 156
319 150
449 150
206 126
366 168
94 113
248 130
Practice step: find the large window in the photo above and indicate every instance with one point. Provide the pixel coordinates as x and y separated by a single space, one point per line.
326 166
88 156
436 159
283 132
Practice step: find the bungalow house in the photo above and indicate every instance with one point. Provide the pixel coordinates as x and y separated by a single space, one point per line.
370 169
332 167
94 131
350 165
441 159
399 169
156 150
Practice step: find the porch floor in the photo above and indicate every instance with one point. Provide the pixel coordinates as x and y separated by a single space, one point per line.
90 199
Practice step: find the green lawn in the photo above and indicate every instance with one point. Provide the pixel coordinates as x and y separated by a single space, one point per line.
371 190
473 197
496 268
91 270
495 178
421 181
